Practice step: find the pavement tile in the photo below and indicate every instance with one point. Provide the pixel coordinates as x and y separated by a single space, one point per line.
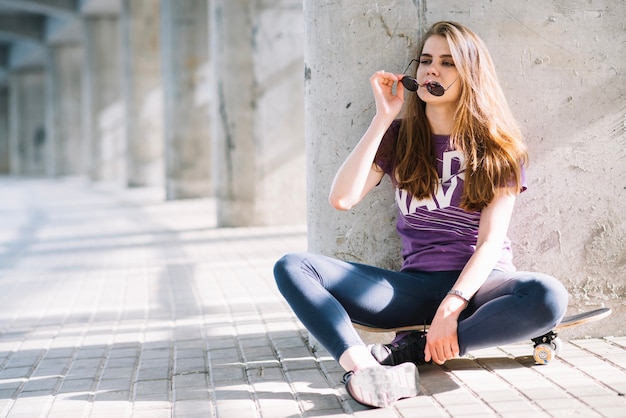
225 356
31 404
121 372
109 408
156 372
119 394
192 392
41 384
152 413
15 373
149 387
65 410
195 408
88 352
76 386
189 380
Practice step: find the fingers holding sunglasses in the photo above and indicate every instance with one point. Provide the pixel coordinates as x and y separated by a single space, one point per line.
388 100
383 79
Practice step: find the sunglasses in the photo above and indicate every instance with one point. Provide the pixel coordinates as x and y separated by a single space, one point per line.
433 87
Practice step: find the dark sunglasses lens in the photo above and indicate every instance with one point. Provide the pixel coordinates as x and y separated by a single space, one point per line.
409 83
435 88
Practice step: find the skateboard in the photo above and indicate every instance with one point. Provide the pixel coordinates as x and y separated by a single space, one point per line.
545 347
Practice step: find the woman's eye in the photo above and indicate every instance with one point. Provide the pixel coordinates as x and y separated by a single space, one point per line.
425 61
448 64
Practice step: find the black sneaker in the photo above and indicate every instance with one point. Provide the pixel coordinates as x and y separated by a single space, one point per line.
406 347
381 386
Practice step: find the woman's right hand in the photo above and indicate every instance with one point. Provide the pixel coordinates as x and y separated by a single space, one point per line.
388 104
358 174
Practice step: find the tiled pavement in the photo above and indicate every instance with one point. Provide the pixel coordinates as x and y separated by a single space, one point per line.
114 303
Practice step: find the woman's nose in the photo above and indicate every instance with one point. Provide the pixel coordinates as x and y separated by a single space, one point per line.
432 70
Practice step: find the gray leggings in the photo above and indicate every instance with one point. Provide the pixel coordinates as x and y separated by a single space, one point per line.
327 295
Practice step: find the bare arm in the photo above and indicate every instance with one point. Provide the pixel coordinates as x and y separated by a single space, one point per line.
442 341
358 174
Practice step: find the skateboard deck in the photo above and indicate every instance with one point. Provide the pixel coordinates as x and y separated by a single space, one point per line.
396 329
545 347
583 318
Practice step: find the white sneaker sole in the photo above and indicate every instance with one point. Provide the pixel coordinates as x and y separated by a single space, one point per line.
380 386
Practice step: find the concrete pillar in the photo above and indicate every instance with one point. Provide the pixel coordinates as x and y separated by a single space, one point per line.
63 110
103 104
27 122
143 96
5 156
563 73
256 47
51 112
339 41
185 49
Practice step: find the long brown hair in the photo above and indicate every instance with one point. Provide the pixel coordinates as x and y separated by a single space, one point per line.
484 128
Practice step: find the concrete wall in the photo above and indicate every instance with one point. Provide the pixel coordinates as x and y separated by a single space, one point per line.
562 65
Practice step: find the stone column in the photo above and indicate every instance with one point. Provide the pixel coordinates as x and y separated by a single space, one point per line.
63 109
140 21
27 122
184 44
5 155
258 160
51 113
103 104
345 43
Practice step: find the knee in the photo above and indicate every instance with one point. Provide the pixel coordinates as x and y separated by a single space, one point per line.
286 268
550 296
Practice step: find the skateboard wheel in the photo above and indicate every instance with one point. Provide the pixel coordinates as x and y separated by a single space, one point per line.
544 353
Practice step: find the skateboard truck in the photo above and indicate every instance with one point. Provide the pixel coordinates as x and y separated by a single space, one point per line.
547 346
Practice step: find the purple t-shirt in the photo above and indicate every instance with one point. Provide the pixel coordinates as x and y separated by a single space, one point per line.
437 235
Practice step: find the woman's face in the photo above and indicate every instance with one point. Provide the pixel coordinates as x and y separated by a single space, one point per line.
436 64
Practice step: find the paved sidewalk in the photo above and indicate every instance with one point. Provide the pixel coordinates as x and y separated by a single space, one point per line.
114 303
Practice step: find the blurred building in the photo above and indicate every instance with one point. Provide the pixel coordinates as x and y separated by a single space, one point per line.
203 98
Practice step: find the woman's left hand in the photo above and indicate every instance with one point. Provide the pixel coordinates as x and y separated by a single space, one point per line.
442 342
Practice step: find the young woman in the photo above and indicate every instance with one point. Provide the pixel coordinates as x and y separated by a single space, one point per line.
456 160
